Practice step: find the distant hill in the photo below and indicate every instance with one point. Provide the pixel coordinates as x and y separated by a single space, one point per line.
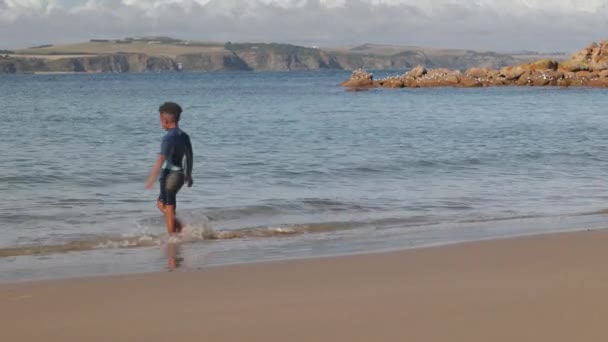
157 54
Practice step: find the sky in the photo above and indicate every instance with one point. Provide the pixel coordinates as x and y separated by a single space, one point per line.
499 25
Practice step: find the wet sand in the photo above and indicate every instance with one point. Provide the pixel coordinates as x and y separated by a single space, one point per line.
543 288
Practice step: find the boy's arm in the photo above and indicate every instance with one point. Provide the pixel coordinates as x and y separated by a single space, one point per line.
155 171
189 162
162 156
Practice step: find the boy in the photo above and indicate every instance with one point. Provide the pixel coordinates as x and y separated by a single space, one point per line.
170 164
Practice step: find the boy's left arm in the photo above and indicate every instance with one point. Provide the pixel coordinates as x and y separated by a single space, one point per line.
155 171
189 163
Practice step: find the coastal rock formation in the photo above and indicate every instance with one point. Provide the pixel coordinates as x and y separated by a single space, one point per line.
417 72
588 67
595 56
573 66
360 79
481 73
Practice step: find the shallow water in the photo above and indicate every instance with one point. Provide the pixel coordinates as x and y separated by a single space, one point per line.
288 165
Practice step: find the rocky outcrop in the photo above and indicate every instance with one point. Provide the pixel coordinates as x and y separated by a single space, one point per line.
481 73
586 68
573 66
417 72
595 56
360 79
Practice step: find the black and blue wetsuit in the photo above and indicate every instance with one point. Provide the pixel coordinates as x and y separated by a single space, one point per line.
175 148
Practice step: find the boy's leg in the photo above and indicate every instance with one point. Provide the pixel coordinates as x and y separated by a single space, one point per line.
170 183
161 206
174 182
170 210
170 218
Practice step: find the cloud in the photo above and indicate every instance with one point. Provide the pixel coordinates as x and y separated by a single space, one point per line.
493 24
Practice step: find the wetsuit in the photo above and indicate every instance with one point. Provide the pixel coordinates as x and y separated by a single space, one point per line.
175 148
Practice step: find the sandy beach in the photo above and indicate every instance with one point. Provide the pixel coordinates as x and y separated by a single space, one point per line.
542 288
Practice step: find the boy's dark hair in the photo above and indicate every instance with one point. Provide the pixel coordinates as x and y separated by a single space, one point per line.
171 108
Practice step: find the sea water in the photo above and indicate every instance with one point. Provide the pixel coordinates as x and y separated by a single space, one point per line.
287 165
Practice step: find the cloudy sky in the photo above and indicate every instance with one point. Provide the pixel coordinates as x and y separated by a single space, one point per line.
502 25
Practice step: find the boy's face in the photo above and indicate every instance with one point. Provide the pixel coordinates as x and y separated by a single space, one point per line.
164 121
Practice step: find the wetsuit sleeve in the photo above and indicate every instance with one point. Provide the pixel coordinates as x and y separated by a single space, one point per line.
189 158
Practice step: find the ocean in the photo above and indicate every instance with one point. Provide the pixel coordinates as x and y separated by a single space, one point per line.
287 165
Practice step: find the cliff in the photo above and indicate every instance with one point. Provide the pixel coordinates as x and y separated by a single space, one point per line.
175 55
283 57
382 57
93 64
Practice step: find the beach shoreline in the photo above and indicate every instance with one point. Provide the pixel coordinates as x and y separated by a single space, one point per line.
542 287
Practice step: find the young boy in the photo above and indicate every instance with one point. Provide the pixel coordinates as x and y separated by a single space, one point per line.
173 169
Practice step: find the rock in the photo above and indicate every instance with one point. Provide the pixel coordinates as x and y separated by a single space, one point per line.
440 72
451 80
417 71
361 74
599 57
598 83
360 79
515 72
395 82
540 79
480 72
595 56
411 83
525 79
588 67
358 83
564 82
440 78
578 82
572 66
512 72
585 54
543 64
470 82
585 75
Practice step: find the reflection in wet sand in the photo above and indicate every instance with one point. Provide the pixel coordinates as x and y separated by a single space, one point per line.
173 254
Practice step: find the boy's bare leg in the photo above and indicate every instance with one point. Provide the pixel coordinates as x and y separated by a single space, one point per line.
170 218
176 226
160 207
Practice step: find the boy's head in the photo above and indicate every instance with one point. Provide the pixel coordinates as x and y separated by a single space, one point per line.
169 114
